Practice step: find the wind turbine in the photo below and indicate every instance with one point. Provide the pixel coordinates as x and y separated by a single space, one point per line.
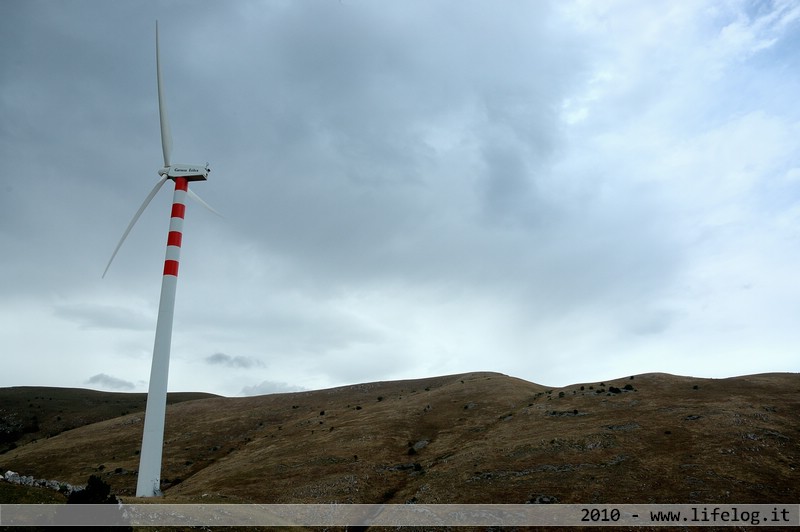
149 481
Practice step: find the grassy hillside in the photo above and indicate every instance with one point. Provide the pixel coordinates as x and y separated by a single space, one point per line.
479 437
29 413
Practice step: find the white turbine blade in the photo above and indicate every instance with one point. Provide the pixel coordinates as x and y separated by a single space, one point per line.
147 201
199 200
166 135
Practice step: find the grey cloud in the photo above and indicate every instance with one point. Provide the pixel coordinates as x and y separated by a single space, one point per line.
374 180
507 182
107 381
375 157
221 359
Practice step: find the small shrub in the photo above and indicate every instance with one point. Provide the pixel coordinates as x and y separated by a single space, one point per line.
95 492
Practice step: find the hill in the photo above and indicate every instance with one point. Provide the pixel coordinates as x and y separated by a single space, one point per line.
478 437
29 413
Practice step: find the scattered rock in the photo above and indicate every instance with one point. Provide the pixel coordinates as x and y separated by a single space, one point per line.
561 413
627 426
543 499
421 444
410 466
23 480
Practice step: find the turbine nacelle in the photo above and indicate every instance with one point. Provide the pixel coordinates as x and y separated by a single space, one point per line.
190 172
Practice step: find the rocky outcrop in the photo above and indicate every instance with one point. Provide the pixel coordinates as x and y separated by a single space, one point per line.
22 480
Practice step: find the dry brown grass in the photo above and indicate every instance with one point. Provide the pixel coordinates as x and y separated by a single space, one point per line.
478 437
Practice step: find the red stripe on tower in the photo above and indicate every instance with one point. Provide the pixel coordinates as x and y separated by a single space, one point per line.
181 183
178 210
174 238
171 267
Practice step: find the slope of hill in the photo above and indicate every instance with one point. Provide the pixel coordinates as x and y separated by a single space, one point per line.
29 413
478 437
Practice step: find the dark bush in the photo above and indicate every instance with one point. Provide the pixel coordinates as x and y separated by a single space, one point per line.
95 492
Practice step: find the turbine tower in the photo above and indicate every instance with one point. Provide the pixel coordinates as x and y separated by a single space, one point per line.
149 480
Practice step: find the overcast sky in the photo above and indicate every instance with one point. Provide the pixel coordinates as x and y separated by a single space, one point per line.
563 192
